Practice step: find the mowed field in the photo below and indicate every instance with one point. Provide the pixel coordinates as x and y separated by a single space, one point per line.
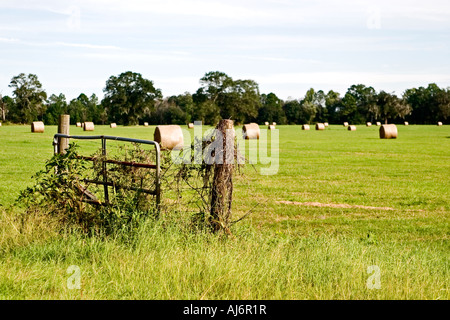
341 203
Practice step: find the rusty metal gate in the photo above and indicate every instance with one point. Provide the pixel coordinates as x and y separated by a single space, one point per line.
90 198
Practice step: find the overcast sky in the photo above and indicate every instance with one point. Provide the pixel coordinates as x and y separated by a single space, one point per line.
286 46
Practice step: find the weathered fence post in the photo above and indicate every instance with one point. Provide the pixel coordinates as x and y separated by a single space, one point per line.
63 127
222 186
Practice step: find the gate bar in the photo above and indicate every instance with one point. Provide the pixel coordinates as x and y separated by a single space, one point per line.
104 138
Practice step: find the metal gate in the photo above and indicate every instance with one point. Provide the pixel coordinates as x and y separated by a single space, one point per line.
156 192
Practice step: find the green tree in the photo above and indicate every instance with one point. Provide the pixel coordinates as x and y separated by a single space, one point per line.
428 104
347 108
320 103
215 84
333 104
205 109
77 111
314 104
443 100
292 110
129 97
186 103
6 104
311 105
366 107
28 97
167 112
308 111
242 101
271 109
232 99
56 105
392 107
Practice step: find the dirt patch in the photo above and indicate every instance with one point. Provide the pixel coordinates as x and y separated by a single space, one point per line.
332 205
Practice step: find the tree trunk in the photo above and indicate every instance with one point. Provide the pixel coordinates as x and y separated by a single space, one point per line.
3 107
222 187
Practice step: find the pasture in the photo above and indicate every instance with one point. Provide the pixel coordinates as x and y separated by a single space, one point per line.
341 202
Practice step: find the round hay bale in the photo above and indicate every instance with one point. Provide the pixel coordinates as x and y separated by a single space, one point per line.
351 128
378 123
274 123
305 127
388 131
251 131
88 126
320 126
191 125
78 124
266 123
345 124
439 123
145 124
169 137
37 127
406 123
271 127
0 124
113 125
325 124
368 124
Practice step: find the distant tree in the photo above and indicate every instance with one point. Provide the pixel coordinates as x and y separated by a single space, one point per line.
242 101
391 106
311 106
77 111
6 104
215 84
167 112
332 104
3 108
129 97
319 100
95 111
292 110
222 97
236 99
206 110
443 101
347 108
186 103
56 105
28 97
366 107
85 108
428 104
271 109
308 111
210 96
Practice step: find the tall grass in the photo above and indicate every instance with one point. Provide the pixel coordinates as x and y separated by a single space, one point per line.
164 261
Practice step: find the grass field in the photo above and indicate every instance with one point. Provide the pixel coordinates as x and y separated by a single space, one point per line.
341 202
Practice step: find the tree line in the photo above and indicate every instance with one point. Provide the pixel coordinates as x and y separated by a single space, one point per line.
130 99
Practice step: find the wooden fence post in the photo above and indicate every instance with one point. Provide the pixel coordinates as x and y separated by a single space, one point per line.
63 127
222 187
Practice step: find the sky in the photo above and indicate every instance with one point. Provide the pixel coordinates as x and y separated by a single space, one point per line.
286 46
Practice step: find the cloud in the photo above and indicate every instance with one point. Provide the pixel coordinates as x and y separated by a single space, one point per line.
8 39
86 46
139 15
350 77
